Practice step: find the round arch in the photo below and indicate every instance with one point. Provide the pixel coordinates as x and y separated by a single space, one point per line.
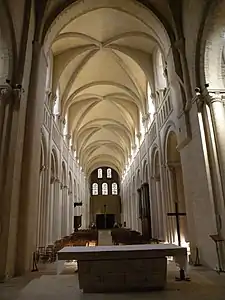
171 128
210 54
7 45
138 179
42 203
64 192
55 160
176 198
145 172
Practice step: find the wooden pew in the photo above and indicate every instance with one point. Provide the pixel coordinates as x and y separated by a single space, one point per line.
128 237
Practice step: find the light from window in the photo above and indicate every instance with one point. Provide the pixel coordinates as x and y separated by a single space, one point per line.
104 188
94 189
99 173
109 173
114 189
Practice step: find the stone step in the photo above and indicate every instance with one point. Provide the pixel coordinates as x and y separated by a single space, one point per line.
104 238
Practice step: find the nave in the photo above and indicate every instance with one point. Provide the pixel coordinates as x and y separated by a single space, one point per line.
112 116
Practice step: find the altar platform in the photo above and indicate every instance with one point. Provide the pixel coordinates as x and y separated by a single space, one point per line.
104 269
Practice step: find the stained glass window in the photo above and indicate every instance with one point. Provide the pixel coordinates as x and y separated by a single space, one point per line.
114 188
109 173
99 173
104 188
94 189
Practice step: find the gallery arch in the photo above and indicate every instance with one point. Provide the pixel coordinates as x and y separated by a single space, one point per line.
139 197
157 208
54 185
146 208
42 207
64 193
177 229
134 204
70 205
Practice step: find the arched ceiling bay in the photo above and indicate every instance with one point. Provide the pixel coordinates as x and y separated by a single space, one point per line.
102 58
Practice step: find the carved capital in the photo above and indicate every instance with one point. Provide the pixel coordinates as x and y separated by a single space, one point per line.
216 96
180 45
6 92
209 96
11 93
145 118
58 116
52 180
172 165
48 93
156 178
43 168
68 136
200 100
138 135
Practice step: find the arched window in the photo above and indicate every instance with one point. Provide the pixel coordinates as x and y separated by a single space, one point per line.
151 106
109 173
94 189
161 82
99 173
114 188
56 107
104 188
142 128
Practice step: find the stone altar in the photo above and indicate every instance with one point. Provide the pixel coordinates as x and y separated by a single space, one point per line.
123 268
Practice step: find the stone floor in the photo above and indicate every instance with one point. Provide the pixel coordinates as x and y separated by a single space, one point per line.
45 285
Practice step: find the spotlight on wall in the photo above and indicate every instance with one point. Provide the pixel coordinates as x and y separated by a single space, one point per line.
197 90
18 86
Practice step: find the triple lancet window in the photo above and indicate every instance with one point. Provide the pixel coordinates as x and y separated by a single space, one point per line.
104 182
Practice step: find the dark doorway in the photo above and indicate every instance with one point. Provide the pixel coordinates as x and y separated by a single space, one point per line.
105 221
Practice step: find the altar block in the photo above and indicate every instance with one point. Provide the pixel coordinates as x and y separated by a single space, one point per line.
104 269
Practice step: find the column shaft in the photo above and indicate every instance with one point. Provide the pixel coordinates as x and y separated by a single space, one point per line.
12 118
31 162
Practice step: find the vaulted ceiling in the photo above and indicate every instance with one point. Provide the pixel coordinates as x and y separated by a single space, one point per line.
102 62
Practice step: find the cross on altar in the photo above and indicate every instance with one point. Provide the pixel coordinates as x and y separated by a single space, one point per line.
177 215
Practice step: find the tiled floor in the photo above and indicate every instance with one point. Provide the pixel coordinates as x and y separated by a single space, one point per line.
204 285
